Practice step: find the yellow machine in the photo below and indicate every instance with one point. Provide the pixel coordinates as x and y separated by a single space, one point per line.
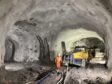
78 56
81 55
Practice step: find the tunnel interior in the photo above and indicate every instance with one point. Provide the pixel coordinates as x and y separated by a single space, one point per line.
72 37
83 38
34 32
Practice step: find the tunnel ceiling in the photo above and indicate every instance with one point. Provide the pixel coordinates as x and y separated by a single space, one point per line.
90 42
21 19
71 36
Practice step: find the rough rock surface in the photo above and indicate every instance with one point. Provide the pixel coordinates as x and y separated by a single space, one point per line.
48 18
96 75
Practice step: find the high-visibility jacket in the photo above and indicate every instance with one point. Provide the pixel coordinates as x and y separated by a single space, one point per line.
58 62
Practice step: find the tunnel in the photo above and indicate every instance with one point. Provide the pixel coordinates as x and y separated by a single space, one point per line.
71 36
34 32
78 37
50 21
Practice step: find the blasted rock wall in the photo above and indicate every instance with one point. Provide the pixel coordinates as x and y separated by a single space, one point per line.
49 17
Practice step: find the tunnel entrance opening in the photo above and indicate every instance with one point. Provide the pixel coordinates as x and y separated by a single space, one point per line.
95 49
10 49
81 45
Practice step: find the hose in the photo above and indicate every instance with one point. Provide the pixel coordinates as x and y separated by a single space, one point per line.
66 75
61 79
42 79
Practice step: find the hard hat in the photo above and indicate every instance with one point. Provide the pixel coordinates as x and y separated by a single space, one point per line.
59 54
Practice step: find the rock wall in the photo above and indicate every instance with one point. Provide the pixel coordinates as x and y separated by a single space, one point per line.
47 18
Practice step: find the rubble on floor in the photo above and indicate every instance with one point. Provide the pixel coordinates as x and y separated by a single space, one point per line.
28 75
91 75
76 75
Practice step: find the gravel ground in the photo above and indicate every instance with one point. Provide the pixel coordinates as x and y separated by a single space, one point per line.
94 75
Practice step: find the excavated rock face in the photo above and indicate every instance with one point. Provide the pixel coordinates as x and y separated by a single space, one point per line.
22 21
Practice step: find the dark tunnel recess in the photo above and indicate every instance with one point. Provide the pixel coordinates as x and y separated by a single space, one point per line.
10 48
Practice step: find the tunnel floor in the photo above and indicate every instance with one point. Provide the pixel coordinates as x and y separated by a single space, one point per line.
28 75
76 75
90 75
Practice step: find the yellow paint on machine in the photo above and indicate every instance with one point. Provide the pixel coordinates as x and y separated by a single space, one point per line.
81 55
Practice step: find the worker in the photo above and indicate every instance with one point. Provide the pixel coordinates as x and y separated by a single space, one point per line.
58 62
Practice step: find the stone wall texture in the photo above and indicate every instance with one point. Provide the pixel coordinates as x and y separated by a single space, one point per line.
22 20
